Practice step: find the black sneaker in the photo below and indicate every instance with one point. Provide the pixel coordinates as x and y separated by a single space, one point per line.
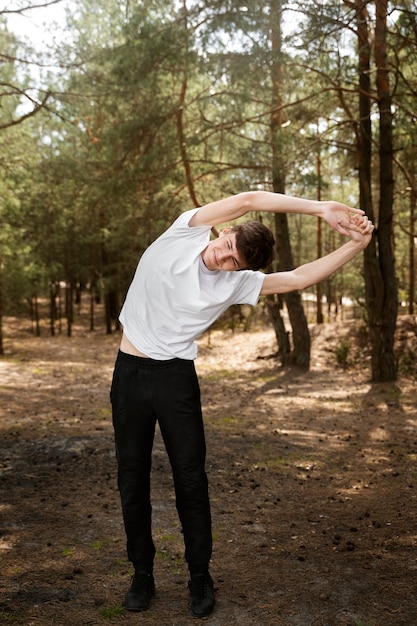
141 591
201 595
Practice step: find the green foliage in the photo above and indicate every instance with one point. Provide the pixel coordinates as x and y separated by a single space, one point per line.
85 190
408 363
342 352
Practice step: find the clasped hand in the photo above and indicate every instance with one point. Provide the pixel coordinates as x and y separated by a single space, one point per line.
348 221
361 229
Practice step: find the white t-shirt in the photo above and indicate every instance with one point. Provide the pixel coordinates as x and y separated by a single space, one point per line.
174 298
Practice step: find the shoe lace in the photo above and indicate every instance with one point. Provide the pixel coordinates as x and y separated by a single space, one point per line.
199 584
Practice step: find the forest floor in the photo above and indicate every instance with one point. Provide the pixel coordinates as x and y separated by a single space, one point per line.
313 482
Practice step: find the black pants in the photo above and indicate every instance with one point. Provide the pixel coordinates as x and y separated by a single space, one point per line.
144 391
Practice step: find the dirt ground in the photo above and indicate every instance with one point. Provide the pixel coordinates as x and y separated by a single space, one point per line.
313 483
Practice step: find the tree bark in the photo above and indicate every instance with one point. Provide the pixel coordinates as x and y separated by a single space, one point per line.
380 282
319 286
383 312
300 355
411 256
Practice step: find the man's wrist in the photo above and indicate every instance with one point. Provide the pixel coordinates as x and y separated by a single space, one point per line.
320 207
358 244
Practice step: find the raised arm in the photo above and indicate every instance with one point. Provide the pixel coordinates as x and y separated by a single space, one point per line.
316 271
337 215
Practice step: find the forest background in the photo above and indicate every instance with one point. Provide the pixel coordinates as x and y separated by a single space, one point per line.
114 120
133 112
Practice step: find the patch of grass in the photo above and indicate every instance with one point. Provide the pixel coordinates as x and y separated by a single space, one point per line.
98 544
266 378
407 363
395 392
111 612
287 462
166 538
103 414
220 374
68 551
330 399
175 562
10 618
162 555
167 552
342 351
228 420
276 462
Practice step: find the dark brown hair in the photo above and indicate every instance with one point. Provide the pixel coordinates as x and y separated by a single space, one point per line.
255 243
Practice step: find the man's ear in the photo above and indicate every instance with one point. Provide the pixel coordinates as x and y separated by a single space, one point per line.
225 231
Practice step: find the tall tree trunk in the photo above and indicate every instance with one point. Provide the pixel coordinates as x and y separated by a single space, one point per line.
107 314
274 305
379 270
319 286
180 123
410 175
52 311
301 336
411 256
69 310
383 357
59 313
92 306
36 316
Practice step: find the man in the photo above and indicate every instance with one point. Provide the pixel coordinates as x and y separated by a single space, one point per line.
183 283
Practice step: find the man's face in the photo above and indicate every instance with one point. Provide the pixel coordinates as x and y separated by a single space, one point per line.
222 254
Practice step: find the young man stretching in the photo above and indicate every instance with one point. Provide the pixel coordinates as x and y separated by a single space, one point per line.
183 283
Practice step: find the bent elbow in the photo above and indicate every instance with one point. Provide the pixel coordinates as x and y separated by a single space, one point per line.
248 200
